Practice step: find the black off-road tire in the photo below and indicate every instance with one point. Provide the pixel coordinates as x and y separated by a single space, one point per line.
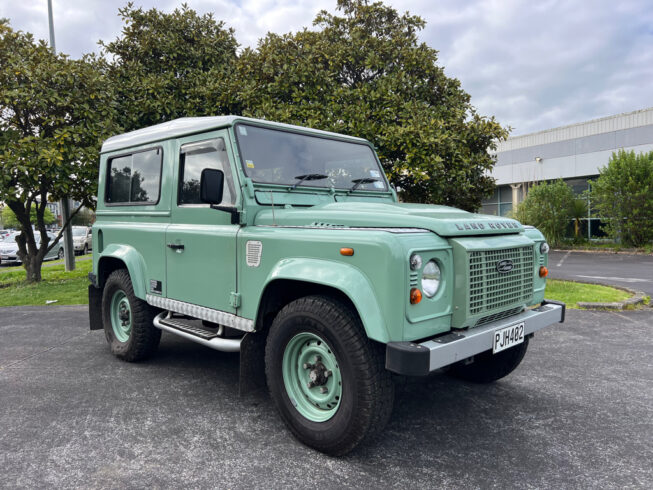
144 336
488 367
367 388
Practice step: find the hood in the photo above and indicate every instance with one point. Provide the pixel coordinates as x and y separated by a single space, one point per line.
443 220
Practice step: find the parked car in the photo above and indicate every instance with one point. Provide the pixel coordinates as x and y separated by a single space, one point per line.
9 249
289 245
82 239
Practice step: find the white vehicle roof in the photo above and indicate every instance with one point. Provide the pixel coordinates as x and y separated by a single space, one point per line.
190 125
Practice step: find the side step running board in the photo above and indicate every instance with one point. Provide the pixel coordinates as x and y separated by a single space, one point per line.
196 334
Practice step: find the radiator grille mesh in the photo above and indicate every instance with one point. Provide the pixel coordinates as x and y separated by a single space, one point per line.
492 290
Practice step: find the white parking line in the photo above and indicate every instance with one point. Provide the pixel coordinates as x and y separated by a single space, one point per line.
619 279
563 259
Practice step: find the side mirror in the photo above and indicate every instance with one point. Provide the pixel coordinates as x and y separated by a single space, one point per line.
211 186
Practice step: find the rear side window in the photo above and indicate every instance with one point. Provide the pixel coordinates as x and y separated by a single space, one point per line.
135 179
194 158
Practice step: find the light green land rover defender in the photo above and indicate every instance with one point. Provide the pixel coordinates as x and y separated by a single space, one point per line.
288 245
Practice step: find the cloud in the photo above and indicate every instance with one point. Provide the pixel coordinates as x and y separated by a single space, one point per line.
533 65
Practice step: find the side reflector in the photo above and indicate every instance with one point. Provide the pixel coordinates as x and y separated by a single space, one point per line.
544 271
347 251
415 296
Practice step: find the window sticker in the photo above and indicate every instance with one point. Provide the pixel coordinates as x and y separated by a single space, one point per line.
249 163
379 185
375 173
243 130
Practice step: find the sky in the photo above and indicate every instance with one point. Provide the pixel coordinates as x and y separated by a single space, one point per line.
534 65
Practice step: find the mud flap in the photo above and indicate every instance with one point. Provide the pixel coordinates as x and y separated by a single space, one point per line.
95 307
252 363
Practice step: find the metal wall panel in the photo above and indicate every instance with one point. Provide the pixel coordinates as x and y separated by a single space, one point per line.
618 122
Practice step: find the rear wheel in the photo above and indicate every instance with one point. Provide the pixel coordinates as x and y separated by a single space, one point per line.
60 254
127 320
327 379
488 367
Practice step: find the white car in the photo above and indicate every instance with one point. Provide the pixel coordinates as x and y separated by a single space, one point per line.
82 239
9 249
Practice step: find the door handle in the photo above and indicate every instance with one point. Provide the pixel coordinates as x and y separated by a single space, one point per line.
176 246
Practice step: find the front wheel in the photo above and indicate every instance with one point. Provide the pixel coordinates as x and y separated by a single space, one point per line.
488 367
60 254
327 379
127 320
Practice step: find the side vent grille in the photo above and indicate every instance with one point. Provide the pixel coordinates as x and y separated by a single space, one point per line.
413 279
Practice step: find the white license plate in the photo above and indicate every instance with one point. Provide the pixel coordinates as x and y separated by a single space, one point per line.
506 337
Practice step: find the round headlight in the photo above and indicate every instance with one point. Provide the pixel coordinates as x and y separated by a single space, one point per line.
430 278
544 248
415 262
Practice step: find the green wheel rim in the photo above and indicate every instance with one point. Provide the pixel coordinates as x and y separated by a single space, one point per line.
312 378
121 316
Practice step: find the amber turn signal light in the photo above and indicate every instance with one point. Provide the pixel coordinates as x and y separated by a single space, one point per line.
415 296
347 251
544 271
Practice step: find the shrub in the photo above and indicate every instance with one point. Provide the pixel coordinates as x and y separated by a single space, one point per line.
547 207
623 193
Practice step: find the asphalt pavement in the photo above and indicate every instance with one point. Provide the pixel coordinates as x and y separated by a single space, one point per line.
630 270
578 413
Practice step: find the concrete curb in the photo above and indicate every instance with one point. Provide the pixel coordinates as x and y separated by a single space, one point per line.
600 251
637 298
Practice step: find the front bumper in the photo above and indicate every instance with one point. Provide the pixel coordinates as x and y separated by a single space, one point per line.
412 359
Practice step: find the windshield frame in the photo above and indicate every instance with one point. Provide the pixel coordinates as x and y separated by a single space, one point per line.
306 185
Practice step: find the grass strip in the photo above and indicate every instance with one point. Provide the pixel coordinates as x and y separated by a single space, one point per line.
572 292
67 288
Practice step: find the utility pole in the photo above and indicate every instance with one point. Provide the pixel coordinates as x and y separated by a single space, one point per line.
64 204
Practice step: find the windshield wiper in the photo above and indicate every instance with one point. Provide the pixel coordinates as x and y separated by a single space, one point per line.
307 177
365 180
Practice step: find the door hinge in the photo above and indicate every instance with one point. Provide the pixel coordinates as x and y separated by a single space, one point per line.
234 299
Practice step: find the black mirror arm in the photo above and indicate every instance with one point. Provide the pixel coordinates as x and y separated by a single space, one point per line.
233 210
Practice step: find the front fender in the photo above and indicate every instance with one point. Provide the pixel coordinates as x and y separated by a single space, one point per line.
134 262
346 278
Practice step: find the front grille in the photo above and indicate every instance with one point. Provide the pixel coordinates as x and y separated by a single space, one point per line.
499 316
492 290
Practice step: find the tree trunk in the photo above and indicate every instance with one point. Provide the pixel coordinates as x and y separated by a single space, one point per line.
33 269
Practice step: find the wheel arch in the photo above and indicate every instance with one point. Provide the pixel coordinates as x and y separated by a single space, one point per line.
296 278
123 257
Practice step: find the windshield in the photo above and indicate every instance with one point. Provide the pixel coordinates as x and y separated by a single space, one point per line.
79 231
280 157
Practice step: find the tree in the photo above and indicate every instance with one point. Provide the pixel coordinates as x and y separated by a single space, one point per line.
162 64
547 207
623 196
54 113
85 217
365 73
577 212
9 219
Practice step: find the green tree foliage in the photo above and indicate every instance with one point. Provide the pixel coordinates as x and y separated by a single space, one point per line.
54 113
623 195
577 212
85 217
365 73
548 207
9 219
162 65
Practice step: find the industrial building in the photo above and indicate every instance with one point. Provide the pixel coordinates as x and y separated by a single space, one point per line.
574 153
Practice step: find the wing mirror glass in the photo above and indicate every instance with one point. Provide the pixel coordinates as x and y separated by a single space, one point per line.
211 186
